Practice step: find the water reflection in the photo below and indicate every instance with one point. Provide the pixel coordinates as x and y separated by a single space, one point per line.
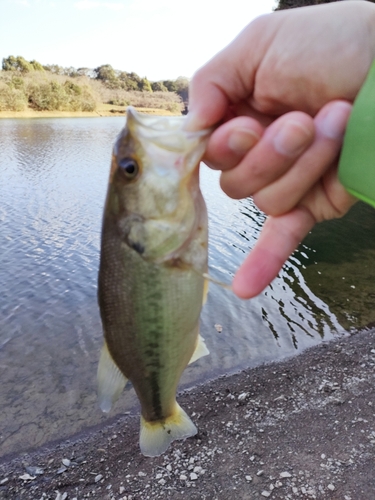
53 177
338 265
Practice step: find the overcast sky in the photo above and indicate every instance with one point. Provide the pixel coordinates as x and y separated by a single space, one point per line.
159 39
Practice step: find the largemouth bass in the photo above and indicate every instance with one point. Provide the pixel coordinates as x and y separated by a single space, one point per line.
151 283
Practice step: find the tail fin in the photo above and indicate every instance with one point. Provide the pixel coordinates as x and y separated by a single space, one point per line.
155 437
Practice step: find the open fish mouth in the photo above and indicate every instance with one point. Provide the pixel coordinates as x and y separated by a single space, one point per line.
166 132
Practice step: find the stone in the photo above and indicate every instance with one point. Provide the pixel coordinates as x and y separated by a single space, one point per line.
285 474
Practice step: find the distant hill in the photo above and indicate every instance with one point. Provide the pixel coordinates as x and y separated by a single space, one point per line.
29 84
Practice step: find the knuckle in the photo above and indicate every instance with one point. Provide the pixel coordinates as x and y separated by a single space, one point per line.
233 188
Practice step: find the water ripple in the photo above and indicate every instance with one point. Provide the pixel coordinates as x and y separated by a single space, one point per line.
53 179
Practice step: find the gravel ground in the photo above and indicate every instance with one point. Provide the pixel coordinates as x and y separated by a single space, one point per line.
303 428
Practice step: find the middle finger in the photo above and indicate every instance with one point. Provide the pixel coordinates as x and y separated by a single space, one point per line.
277 150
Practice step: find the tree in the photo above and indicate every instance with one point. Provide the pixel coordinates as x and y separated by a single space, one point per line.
36 65
132 81
54 68
158 87
70 71
105 73
85 72
18 63
291 4
182 85
171 85
144 85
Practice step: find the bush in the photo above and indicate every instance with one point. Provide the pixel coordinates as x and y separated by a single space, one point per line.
155 100
118 102
87 101
72 88
53 96
12 99
16 82
49 96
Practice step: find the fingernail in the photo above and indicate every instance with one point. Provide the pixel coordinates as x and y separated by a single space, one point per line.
241 140
292 139
333 124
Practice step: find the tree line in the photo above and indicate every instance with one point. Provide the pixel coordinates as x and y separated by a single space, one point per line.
106 74
291 4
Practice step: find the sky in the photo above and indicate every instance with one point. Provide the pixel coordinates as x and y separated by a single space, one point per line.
158 39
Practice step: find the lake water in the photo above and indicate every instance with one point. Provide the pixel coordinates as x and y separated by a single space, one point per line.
53 180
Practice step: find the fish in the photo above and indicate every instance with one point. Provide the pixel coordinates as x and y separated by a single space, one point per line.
153 263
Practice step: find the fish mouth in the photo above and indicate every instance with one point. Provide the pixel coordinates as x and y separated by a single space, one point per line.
166 132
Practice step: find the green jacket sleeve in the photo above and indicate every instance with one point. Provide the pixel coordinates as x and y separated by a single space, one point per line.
357 160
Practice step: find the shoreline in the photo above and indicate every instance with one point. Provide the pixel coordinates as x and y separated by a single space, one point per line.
104 110
299 428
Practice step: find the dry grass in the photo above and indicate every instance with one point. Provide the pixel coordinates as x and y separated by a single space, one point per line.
156 100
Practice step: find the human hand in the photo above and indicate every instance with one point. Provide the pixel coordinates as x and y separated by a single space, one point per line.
290 170
297 59
301 63
296 188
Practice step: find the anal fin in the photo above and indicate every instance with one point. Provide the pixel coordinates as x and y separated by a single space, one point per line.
155 437
200 350
111 381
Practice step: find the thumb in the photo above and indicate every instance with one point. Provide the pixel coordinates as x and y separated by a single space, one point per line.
227 79
208 101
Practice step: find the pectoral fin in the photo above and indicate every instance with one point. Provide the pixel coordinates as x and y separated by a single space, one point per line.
200 351
111 381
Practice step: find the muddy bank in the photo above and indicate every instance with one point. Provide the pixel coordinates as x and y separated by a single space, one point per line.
103 110
303 428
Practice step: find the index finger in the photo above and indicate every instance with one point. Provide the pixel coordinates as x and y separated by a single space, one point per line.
280 236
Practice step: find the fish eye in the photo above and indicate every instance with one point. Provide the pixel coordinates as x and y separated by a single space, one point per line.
129 167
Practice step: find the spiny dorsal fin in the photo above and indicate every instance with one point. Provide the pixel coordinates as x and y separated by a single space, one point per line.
111 381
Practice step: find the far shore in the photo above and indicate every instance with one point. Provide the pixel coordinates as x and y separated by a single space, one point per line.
102 110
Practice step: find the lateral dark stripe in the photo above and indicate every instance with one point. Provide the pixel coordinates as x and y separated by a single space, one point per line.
156 402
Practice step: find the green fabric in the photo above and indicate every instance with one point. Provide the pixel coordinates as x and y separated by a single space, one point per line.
357 161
